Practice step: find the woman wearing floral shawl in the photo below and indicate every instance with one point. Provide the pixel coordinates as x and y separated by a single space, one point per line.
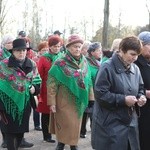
19 82
94 55
68 89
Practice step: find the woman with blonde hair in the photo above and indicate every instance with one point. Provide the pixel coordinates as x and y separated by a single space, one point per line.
115 45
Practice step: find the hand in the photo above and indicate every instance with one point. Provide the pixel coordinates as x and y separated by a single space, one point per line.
130 100
91 103
53 108
148 94
142 101
32 89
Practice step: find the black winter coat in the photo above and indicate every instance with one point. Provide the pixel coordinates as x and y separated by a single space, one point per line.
144 119
7 124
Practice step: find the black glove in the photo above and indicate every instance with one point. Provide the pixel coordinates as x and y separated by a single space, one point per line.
91 103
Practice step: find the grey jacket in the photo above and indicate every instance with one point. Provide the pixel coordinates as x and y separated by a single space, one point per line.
112 118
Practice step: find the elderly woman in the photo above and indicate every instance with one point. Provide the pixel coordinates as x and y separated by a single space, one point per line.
119 90
44 64
68 86
6 46
21 76
4 53
94 55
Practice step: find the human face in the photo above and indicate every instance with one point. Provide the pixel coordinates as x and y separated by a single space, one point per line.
8 45
97 53
75 49
129 57
146 51
43 51
20 54
84 51
55 48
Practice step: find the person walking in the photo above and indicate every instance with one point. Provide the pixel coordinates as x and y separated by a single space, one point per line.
4 53
30 54
143 62
118 91
42 49
21 76
68 86
94 55
44 64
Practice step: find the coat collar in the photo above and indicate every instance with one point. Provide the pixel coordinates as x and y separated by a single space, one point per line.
119 65
26 67
142 61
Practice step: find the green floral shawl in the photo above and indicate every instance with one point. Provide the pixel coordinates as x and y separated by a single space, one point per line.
14 89
52 56
4 53
94 66
75 77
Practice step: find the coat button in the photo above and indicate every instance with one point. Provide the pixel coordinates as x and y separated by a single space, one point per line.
130 89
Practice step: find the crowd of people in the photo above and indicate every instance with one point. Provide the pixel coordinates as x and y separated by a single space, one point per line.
73 82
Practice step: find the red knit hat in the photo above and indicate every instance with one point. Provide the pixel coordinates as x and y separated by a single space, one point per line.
74 38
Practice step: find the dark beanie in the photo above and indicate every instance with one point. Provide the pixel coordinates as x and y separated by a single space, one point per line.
94 46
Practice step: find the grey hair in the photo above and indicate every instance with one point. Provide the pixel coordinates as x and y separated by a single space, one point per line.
6 39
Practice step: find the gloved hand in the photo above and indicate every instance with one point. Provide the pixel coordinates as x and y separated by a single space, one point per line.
91 103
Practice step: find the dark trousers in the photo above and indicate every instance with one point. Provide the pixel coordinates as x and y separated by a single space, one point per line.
36 118
84 122
3 137
45 126
13 140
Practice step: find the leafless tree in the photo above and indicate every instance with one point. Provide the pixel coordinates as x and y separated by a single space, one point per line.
105 24
148 9
3 13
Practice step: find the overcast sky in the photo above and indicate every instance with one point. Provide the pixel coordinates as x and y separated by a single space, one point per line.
133 12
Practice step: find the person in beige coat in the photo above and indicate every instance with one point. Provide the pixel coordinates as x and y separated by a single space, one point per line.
68 89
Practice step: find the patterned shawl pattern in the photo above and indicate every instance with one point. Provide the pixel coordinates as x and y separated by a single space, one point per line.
14 88
75 77
94 66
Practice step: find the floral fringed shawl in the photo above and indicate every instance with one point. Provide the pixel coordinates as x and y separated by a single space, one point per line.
76 77
94 66
14 88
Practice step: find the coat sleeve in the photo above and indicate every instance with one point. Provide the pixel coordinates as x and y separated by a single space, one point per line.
36 81
52 88
102 89
141 84
40 66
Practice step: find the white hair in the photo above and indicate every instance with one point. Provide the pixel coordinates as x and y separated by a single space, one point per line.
6 39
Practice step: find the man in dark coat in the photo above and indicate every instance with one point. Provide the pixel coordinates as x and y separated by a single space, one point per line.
143 63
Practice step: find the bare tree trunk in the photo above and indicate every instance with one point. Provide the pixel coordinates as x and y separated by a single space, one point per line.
0 6
0 13
105 24
148 9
